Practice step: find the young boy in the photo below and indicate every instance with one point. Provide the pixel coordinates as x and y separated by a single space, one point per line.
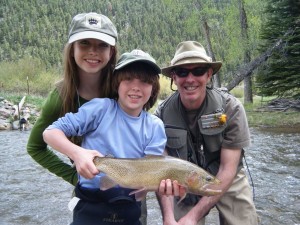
121 127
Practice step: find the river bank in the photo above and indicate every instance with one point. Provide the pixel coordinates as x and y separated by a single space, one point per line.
285 116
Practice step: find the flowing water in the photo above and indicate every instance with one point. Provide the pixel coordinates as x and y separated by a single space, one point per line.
31 195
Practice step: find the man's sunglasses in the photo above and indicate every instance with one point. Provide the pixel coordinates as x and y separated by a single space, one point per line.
183 72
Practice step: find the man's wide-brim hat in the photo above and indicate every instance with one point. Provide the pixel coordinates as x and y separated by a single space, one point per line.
190 52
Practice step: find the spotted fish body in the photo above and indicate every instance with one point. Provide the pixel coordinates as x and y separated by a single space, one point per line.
146 174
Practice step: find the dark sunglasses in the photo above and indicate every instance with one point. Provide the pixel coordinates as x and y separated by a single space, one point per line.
183 72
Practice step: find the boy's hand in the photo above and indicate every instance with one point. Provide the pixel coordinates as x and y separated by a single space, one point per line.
83 161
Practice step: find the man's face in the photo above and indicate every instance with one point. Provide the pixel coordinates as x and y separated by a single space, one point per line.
192 88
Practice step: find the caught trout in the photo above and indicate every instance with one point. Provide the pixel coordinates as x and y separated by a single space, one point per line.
145 174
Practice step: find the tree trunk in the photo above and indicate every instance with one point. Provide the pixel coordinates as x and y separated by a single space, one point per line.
244 32
248 95
216 77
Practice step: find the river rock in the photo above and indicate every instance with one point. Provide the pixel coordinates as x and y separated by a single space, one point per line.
5 113
5 125
10 122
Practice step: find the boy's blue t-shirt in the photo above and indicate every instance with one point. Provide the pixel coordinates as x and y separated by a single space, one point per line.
107 128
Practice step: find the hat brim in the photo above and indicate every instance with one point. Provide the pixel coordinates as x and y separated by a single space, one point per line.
94 35
127 62
214 65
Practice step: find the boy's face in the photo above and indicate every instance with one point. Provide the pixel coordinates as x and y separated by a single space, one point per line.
133 95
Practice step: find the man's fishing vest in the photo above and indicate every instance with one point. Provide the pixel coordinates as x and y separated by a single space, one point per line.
179 143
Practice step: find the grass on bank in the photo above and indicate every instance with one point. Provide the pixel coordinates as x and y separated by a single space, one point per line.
258 115
27 75
274 119
37 101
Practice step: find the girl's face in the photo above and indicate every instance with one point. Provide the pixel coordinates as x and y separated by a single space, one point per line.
91 55
133 95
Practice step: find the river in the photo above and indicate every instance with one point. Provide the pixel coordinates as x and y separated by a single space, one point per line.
31 195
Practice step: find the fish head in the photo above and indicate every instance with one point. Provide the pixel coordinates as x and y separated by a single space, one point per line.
201 183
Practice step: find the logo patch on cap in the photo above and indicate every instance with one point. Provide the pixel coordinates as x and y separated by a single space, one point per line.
93 21
139 52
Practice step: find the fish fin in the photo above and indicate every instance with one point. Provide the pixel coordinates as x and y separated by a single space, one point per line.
139 194
192 177
182 197
106 183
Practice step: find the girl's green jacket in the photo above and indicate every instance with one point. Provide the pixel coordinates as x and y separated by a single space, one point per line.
38 149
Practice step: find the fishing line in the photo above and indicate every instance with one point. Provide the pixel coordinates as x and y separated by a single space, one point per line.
252 183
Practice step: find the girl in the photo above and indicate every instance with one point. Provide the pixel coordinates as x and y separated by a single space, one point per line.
89 59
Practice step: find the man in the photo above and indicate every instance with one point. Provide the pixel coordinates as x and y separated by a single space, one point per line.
209 128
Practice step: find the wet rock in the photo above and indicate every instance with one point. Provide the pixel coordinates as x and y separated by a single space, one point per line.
9 118
5 125
5 113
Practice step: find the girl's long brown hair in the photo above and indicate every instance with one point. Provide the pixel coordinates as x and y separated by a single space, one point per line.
68 86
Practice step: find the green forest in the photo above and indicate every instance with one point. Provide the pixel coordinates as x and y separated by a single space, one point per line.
257 41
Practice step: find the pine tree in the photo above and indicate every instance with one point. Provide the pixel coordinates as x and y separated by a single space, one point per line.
280 76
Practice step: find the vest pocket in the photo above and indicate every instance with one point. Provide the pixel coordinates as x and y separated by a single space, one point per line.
212 136
213 143
176 142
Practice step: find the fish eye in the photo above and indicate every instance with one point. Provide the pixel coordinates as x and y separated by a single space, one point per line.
209 178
